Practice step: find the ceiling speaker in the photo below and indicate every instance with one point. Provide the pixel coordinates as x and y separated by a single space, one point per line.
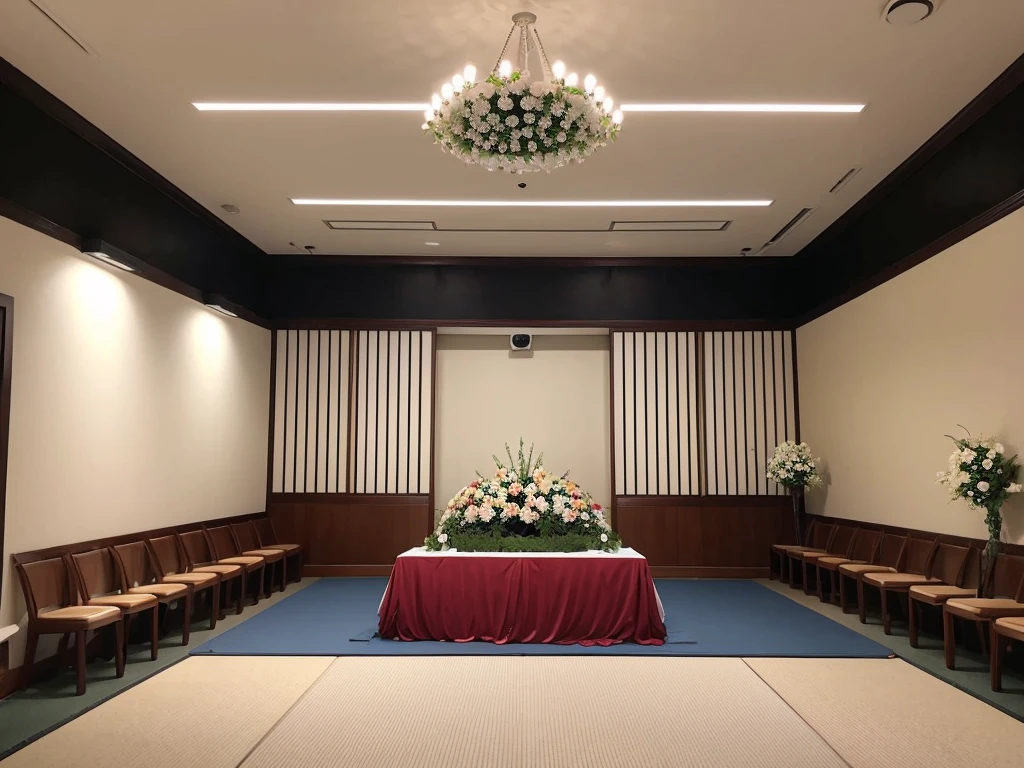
904 12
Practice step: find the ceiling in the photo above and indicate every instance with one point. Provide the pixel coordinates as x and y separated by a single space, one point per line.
145 63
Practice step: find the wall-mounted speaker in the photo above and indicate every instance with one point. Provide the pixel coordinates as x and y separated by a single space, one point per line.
520 341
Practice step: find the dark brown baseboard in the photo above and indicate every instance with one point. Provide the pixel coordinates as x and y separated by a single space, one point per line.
707 572
346 570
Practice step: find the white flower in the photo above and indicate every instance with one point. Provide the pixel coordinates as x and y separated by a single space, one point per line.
529 117
970 493
537 88
604 537
585 515
505 103
511 121
442 537
983 486
987 463
1014 488
532 146
998 447
561 137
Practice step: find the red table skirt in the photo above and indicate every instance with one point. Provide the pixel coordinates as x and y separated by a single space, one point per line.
585 600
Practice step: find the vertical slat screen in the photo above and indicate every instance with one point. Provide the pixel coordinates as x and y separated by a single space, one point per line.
311 412
391 400
700 413
655 409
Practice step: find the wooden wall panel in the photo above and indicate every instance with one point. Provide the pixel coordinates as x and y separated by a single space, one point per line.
351 534
704 536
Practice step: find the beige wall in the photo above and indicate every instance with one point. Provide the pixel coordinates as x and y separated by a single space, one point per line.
132 407
883 378
555 397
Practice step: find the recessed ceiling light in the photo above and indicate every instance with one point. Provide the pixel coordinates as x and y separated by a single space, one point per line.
286 106
431 243
219 304
108 254
231 209
825 108
539 203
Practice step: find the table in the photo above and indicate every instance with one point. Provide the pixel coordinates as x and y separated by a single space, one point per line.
590 598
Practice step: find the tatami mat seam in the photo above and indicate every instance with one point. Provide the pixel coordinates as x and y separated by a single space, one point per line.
795 712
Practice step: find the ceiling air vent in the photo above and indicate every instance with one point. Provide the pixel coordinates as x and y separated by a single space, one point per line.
790 226
381 226
670 226
845 180
64 28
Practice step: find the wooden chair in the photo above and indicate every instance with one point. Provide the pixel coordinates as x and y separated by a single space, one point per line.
225 551
1006 584
248 545
202 560
888 559
863 551
99 583
52 610
917 560
1004 632
816 539
921 596
139 577
805 560
171 568
268 538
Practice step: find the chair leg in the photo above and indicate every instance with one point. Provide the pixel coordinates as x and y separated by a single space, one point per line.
119 647
783 570
997 647
214 605
186 621
842 592
807 577
284 572
28 665
982 636
154 634
244 578
794 571
820 577
80 660
886 618
772 573
260 586
912 608
949 639
862 605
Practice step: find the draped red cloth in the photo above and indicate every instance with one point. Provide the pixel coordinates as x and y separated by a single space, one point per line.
562 600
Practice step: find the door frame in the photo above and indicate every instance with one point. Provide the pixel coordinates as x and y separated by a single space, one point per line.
6 361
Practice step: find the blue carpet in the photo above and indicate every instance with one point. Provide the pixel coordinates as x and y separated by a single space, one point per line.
337 617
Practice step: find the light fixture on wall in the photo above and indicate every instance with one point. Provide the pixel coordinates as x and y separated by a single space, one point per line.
219 304
108 254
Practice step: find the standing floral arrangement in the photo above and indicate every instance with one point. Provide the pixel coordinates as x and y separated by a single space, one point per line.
794 467
981 474
523 508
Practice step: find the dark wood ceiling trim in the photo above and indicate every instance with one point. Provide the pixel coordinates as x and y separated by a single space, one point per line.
526 262
363 324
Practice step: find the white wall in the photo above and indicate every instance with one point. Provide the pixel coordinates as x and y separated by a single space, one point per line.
555 397
132 406
884 377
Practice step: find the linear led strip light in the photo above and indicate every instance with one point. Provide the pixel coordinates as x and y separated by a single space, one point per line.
537 203
285 106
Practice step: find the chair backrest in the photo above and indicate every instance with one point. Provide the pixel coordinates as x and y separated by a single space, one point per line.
46 585
1006 577
820 535
842 539
96 573
196 548
136 564
890 550
245 536
865 545
917 555
222 543
972 569
168 555
265 531
948 563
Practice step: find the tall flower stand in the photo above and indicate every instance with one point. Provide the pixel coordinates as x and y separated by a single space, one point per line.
994 523
797 494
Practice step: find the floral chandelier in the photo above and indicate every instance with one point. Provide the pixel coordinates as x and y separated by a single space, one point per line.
513 123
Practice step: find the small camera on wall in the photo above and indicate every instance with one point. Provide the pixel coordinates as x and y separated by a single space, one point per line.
520 341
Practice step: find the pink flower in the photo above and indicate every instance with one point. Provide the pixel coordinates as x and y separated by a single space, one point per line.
511 510
472 513
540 504
515 489
486 514
569 515
530 501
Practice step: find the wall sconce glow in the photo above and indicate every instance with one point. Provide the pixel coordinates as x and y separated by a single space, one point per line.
538 203
108 254
219 304
726 107
325 106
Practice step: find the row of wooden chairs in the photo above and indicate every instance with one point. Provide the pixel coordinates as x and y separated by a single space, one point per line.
80 591
920 573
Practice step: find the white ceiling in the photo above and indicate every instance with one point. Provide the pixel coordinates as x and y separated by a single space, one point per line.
149 61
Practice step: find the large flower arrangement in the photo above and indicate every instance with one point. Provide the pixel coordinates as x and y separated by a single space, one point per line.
523 507
510 124
981 474
794 466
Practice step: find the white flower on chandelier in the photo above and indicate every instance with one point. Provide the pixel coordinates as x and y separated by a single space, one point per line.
567 120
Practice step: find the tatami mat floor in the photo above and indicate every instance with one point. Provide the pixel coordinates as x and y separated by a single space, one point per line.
512 712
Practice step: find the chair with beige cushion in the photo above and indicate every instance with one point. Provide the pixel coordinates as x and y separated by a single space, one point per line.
99 583
268 538
248 544
888 559
52 610
201 559
171 568
226 551
1006 585
816 539
922 596
805 560
863 550
917 561
1004 632
139 577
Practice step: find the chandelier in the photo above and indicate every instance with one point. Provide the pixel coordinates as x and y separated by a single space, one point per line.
512 122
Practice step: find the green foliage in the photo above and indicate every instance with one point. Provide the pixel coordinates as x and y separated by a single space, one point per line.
496 541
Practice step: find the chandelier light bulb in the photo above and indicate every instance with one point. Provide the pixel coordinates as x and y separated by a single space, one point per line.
469 73
505 68
425 126
428 115
457 82
599 94
608 104
435 102
617 117
558 70
589 82
447 91
571 79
